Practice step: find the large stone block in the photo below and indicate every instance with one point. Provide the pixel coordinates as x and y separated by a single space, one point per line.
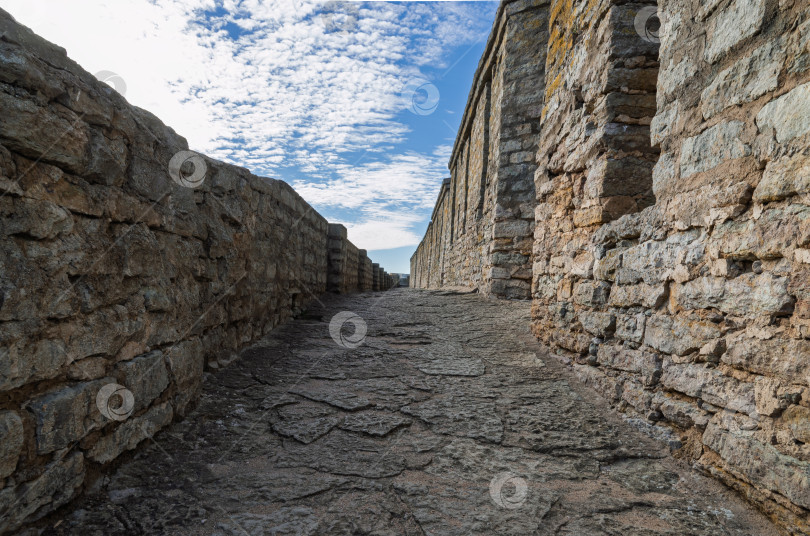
783 178
66 415
11 441
789 115
739 20
714 146
784 358
710 385
746 80
760 463
748 294
146 376
130 433
678 335
30 501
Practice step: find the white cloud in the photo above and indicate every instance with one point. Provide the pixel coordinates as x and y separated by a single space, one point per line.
292 91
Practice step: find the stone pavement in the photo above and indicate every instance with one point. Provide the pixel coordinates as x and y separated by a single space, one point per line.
446 419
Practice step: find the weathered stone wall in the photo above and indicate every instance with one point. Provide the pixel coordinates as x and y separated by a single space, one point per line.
344 261
691 313
116 271
480 235
365 279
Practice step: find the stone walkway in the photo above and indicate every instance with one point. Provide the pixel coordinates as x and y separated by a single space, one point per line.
447 419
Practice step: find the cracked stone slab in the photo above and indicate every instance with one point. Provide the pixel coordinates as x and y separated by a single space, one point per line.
375 423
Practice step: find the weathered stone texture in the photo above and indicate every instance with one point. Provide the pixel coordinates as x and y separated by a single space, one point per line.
112 272
480 233
708 286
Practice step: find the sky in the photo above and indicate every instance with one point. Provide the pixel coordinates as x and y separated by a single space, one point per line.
355 104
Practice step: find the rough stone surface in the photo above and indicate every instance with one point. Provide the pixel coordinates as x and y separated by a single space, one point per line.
112 271
422 459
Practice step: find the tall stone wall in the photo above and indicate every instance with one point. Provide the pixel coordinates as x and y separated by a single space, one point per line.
365 279
480 235
671 255
124 273
691 314
344 261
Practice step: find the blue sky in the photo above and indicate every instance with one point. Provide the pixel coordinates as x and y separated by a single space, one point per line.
356 104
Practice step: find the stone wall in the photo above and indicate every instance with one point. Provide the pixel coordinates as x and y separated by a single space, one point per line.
344 262
365 278
692 313
124 273
671 256
480 235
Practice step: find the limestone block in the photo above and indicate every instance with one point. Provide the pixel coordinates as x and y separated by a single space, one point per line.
43 359
767 399
650 296
630 327
760 463
678 335
748 294
599 324
798 420
774 234
711 148
710 385
30 501
66 415
127 435
591 293
746 80
146 376
788 359
783 178
740 20
789 115
683 414
11 441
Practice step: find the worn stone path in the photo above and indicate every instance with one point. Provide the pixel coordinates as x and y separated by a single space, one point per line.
447 419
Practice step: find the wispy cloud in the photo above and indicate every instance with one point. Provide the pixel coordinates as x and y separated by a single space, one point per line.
294 89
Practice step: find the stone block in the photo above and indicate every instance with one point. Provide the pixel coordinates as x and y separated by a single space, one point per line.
56 486
787 359
11 441
783 178
678 335
66 415
711 148
748 294
591 293
710 385
789 115
745 81
128 434
760 463
797 418
738 21
630 327
146 376
599 324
